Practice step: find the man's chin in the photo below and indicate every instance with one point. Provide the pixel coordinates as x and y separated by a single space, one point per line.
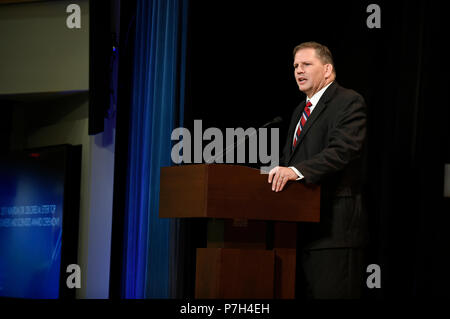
302 89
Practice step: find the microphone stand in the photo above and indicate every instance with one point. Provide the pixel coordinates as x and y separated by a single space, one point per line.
276 120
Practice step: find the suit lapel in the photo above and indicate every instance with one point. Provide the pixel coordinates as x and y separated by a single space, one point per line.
320 107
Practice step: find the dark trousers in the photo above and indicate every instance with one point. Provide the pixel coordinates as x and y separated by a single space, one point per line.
335 273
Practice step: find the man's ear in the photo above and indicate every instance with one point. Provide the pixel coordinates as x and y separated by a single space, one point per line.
328 70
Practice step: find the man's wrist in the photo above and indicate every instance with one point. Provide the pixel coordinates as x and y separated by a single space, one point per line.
300 176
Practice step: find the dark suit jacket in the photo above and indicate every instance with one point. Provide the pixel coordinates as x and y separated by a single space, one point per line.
330 153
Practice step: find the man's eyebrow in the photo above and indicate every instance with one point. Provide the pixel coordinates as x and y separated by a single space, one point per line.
301 62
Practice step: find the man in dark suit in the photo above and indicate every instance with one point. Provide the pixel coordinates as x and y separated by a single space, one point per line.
325 146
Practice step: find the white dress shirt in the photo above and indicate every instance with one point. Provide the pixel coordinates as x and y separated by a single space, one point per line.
314 100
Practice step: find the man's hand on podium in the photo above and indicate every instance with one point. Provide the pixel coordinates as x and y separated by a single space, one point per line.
279 176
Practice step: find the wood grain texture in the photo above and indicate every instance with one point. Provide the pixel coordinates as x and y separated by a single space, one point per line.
285 262
235 192
183 191
234 273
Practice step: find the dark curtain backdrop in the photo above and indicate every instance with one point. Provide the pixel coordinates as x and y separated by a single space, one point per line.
240 75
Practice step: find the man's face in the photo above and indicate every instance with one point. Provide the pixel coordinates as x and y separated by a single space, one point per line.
310 73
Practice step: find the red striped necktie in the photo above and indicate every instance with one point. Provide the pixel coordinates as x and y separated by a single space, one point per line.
305 115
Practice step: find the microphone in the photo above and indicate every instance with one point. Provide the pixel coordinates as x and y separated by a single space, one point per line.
276 120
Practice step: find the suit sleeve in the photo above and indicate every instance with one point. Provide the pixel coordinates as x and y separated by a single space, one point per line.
345 143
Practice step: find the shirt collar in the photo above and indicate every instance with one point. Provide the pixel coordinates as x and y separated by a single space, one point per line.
316 97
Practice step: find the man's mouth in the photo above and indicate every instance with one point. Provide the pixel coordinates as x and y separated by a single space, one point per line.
301 80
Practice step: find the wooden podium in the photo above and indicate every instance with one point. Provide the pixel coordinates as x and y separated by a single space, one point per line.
255 257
